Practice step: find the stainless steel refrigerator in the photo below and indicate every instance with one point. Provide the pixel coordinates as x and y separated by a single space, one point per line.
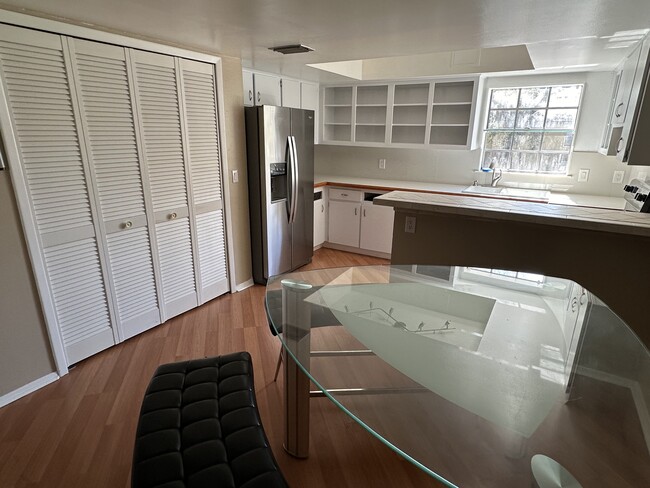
280 146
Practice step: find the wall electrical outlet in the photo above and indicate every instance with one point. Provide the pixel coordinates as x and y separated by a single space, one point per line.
583 176
382 164
409 224
235 176
618 176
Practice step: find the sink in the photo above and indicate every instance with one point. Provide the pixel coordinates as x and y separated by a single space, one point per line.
503 192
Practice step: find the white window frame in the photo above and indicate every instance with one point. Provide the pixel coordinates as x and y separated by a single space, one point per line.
540 151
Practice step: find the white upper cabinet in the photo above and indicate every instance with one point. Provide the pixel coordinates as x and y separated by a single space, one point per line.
436 112
290 93
267 89
249 88
309 96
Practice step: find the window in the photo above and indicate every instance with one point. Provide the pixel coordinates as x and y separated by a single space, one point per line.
531 130
514 276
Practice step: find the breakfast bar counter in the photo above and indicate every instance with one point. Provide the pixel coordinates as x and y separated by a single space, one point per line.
605 250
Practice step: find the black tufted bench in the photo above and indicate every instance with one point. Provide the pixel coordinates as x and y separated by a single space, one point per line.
199 428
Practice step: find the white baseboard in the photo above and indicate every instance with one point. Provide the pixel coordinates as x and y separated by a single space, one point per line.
27 389
637 396
244 285
356 250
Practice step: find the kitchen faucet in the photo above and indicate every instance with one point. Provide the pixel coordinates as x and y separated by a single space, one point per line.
496 176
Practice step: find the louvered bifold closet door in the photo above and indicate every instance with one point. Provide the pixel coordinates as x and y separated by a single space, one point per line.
202 141
158 110
101 78
35 79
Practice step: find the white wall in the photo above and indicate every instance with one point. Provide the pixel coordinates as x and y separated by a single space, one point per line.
458 166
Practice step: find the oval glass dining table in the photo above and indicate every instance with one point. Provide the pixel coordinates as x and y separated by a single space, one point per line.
480 377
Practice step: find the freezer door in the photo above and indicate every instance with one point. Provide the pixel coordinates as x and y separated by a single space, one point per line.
275 131
302 130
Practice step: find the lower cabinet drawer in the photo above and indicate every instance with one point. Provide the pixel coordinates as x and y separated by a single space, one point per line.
344 194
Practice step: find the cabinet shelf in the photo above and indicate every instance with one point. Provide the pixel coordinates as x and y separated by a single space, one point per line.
449 125
338 105
371 124
371 105
424 104
409 125
451 103
338 123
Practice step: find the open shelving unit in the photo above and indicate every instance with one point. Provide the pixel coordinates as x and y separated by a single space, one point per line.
371 111
435 112
337 114
451 113
410 113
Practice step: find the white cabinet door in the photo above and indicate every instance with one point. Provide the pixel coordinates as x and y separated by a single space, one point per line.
249 89
320 218
344 223
53 175
198 94
105 100
267 90
158 111
290 93
376 227
309 96
625 87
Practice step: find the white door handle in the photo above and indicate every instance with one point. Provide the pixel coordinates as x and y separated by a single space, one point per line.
128 224
172 216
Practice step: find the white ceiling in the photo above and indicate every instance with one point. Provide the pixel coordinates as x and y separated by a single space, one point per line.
556 32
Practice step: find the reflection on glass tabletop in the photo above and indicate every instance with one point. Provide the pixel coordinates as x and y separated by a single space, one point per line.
470 372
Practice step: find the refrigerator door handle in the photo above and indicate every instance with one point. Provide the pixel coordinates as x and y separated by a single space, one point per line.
294 179
288 157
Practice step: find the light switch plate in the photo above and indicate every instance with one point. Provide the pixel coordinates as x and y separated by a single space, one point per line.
618 177
382 164
235 176
583 176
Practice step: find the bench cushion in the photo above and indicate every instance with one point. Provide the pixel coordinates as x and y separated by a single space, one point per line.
199 427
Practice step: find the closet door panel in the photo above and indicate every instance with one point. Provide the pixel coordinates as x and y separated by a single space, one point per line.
35 79
159 115
104 94
204 155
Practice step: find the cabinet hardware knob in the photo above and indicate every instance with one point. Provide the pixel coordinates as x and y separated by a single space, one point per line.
355 211
344 194
618 146
250 95
322 208
364 212
259 97
128 224
583 298
172 216
616 112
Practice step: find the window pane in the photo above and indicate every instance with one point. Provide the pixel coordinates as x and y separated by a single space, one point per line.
530 119
525 162
565 96
557 141
533 97
554 163
501 119
504 98
498 140
528 141
561 118
501 159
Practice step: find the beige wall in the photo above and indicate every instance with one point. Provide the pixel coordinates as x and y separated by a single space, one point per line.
236 152
24 346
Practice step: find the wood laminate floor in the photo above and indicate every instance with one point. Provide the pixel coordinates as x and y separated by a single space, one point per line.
79 431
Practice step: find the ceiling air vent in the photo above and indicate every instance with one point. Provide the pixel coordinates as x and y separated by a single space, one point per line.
292 49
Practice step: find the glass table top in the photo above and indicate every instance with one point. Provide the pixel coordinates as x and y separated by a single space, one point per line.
469 373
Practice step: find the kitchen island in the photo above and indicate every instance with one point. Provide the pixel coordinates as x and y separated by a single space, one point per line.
605 250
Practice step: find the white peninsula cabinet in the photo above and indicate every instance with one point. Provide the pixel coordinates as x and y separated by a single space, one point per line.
438 112
356 225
